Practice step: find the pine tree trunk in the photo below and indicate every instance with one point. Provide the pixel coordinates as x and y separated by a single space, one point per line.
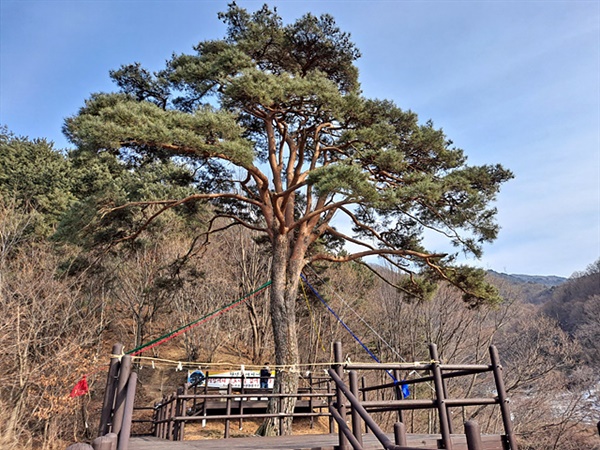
285 275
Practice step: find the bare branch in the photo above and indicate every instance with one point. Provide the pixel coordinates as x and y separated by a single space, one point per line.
387 281
364 226
168 204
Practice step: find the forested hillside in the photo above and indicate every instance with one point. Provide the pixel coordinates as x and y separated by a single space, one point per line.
70 290
548 281
533 288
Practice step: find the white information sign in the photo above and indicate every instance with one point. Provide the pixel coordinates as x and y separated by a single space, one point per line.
221 380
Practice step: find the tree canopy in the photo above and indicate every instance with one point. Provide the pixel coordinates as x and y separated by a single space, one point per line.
273 124
283 104
37 177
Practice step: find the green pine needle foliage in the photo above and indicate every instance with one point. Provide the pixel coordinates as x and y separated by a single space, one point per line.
273 117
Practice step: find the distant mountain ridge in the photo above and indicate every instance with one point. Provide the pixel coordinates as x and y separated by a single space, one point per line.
544 280
536 289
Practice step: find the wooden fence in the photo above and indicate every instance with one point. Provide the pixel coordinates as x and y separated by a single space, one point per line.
332 397
188 405
360 409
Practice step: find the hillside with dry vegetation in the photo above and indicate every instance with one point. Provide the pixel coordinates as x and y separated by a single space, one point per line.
61 323
69 293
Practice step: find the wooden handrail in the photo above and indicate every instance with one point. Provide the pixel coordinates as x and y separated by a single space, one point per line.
460 373
248 395
171 415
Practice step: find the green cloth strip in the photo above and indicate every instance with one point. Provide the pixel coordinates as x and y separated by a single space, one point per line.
165 336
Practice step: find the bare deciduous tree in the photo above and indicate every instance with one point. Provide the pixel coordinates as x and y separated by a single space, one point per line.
47 339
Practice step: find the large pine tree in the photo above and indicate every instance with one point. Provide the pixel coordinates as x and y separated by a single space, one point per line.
273 120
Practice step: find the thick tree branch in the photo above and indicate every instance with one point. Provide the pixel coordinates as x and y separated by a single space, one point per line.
317 212
377 252
172 203
291 189
272 149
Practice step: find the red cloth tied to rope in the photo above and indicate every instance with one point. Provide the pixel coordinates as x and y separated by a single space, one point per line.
81 388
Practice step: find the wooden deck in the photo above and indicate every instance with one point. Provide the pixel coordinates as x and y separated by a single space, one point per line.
173 411
302 442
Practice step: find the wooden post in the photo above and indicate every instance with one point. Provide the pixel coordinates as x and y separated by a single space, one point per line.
439 393
331 420
400 434
121 395
338 358
160 425
167 413
109 392
243 379
159 408
473 435
163 417
502 398
177 413
399 394
106 442
156 425
363 383
181 436
311 399
125 433
228 410
167 417
436 357
356 420
172 412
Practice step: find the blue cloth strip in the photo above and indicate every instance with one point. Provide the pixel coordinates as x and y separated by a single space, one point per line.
356 338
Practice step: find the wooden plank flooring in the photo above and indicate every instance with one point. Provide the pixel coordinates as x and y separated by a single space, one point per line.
300 442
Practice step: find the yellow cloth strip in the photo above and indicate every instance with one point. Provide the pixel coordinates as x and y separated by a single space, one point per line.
208 365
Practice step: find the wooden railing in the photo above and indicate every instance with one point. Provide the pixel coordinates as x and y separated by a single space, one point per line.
472 432
318 398
439 373
186 405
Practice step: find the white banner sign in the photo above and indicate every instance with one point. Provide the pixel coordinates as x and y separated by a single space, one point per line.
221 380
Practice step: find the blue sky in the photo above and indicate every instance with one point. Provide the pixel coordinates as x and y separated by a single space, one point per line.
511 82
